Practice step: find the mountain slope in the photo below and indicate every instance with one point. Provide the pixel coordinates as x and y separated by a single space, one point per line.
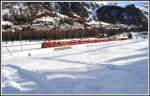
128 15
79 12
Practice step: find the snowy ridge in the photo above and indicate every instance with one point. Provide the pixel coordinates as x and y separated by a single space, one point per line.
144 9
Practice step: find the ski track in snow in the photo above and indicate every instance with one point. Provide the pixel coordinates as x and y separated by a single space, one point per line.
117 67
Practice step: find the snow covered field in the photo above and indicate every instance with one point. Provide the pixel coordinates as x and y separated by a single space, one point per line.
116 67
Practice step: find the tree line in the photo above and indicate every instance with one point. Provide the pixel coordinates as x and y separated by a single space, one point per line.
54 34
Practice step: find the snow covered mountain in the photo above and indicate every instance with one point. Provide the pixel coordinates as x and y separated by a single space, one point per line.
144 9
60 13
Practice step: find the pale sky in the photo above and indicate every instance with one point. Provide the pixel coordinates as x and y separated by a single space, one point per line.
122 3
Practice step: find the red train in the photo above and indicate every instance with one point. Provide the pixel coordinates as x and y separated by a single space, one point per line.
75 42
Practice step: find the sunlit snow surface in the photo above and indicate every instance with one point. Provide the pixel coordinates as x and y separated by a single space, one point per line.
116 67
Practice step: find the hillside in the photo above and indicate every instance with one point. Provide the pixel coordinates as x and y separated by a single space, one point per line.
76 14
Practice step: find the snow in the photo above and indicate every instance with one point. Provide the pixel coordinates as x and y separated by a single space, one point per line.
103 2
52 19
75 15
136 35
144 9
5 11
6 23
93 22
47 18
116 67
104 23
61 15
93 17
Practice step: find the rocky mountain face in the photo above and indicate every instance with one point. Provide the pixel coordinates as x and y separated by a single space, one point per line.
128 15
90 11
72 9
